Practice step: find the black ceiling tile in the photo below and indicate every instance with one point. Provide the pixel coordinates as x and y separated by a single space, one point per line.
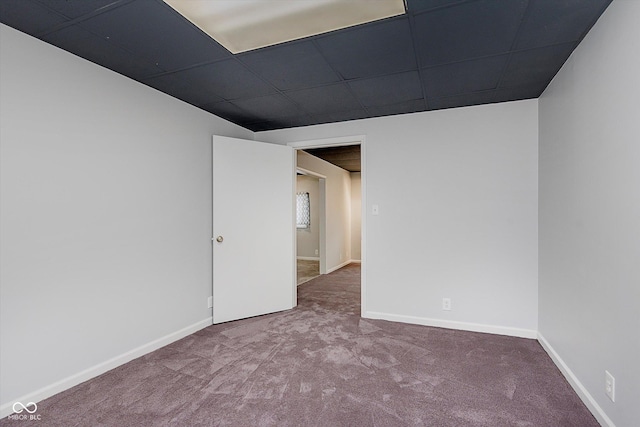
536 65
183 88
228 111
342 116
95 49
28 16
228 79
467 31
554 22
290 66
476 98
268 107
300 120
414 6
281 123
258 127
463 77
77 8
261 126
325 99
389 89
413 106
520 92
370 50
153 30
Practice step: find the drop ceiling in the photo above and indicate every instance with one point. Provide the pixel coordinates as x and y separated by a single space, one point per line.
440 54
346 157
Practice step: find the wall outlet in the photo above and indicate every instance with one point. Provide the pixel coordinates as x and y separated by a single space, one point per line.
375 209
209 302
610 386
446 304
316 252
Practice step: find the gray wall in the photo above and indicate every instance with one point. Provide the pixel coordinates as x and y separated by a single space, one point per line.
590 213
458 214
105 217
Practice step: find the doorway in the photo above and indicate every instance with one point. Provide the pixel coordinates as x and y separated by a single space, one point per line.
337 254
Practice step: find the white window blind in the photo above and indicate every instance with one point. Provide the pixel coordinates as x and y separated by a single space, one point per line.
303 210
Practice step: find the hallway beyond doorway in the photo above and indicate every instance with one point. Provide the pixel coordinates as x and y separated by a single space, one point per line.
307 270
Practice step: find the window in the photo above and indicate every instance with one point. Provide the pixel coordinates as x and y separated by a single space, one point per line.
303 210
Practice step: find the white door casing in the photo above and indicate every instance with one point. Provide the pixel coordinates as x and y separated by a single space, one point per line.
254 216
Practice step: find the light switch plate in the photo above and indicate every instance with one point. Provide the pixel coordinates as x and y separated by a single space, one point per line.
610 386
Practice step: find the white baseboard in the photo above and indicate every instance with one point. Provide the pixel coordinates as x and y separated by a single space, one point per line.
573 380
338 267
36 396
451 324
308 258
356 261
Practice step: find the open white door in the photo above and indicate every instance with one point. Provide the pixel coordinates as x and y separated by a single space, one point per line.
253 229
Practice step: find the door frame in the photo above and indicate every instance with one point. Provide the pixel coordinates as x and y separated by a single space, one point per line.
340 142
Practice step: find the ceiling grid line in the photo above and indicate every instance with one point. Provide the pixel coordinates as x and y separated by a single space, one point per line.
420 73
524 20
278 90
74 21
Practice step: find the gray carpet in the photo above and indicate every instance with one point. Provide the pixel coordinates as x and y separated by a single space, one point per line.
322 365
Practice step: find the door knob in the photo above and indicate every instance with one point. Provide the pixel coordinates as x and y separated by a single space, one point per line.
219 239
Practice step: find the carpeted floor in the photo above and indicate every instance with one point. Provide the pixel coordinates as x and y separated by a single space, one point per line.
320 364
307 270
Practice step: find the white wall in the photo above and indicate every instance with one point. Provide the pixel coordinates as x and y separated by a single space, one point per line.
337 208
356 215
308 239
590 213
105 217
457 191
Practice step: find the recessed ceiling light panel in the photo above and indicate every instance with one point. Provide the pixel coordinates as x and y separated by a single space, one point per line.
242 25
